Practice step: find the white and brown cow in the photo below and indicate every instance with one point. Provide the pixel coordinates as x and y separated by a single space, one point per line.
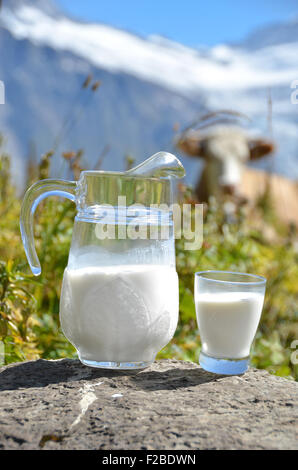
225 150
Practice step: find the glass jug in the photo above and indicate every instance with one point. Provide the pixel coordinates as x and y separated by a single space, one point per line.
119 299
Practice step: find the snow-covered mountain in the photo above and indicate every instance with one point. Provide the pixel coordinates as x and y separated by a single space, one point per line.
148 84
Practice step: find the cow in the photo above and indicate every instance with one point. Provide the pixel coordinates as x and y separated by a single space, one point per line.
225 149
283 192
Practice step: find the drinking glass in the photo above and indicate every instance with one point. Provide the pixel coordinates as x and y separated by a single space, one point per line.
228 308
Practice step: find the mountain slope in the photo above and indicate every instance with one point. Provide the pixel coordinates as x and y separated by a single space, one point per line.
147 85
163 62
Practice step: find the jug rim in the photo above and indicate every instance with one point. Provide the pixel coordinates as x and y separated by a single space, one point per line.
125 175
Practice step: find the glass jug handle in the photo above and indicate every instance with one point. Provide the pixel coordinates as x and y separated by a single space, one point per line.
34 195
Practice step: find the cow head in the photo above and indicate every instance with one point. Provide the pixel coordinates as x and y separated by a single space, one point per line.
225 149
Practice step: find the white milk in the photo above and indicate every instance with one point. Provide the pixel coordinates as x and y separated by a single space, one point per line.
119 313
228 322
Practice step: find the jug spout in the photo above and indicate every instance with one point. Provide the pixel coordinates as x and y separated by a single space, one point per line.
160 164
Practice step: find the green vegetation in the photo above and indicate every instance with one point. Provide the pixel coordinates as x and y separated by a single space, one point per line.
29 307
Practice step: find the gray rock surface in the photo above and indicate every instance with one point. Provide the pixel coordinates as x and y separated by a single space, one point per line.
171 405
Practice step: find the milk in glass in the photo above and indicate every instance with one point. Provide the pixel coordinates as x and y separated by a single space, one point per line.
228 322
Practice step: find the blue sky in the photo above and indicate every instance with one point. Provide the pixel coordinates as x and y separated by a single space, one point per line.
191 22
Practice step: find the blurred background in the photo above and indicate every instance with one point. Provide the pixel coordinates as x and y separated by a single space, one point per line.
159 66
105 84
